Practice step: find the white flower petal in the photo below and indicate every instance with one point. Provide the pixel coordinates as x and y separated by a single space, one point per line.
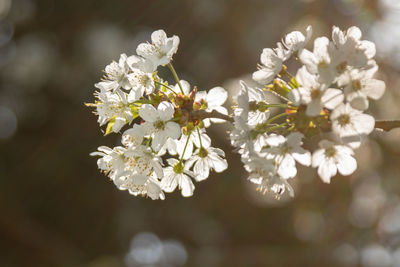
159 37
148 113
364 123
314 108
165 111
374 88
302 156
331 98
287 167
159 139
216 97
186 185
201 170
173 130
326 170
169 182
346 164
263 76
318 157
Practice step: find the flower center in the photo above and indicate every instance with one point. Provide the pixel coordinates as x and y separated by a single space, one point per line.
356 85
161 54
178 167
203 152
344 119
159 125
143 79
330 152
323 64
315 93
341 67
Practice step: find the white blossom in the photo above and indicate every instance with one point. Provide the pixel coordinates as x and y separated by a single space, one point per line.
185 87
296 41
286 151
316 95
158 123
206 159
331 158
262 172
241 134
319 61
141 159
271 64
359 86
255 95
113 106
116 75
177 174
350 50
161 50
133 136
214 98
350 124
140 184
111 161
142 82
142 64
176 147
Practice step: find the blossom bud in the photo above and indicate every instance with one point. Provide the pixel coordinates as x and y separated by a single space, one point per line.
200 124
196 106
190 126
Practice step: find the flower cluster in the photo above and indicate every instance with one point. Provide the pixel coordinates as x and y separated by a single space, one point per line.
166 145
326 100
162 118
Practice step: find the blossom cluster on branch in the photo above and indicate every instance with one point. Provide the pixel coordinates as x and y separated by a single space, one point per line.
164 120
326 101
167 147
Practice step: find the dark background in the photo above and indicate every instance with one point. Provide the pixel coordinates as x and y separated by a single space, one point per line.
57 209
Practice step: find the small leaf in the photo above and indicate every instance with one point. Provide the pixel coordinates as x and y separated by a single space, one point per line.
110 126
135 111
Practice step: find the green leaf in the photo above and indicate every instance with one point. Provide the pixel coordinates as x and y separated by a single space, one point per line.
109 126
135 111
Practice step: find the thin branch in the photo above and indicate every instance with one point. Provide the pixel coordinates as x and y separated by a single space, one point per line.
202 114
387 125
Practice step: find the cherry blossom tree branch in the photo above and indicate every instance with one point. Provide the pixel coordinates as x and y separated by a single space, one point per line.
202 114
387 125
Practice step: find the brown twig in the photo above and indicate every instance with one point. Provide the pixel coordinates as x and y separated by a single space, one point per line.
387 125
202 114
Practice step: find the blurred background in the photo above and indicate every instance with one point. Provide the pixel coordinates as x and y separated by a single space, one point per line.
57 209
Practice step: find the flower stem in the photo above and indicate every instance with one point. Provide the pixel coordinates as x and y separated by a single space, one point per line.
275 118
198 131
166 86
171 68
273 128
184 149
288 130
276 105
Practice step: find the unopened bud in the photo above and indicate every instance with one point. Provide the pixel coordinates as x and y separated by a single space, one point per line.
200 124
196 106
190 126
